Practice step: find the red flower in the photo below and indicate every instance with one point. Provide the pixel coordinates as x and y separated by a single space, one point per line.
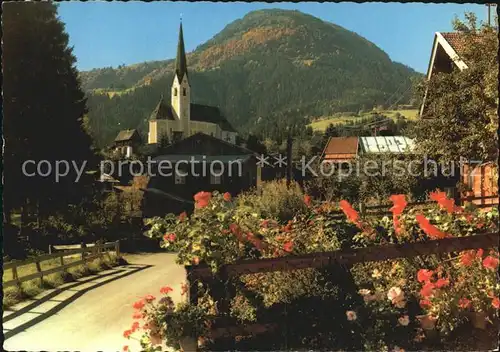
399 201
429 229
349 211
170 237
182 216
480 225
139 304
288 227
464 303
307 200
425 303
202 199
288 246
135 326
424 275
479 253
137 315
490 263
227 196
495 303
127 333
166 289
444 202
427 289
125 348
149 298
442 283
467 258
264 224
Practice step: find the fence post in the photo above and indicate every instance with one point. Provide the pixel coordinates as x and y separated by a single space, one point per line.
39 269
14 275
62 259
117 248
83 246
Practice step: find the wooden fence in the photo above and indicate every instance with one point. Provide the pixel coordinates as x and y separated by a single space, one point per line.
225 327
87 253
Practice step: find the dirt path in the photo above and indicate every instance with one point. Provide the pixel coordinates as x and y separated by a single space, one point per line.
95 319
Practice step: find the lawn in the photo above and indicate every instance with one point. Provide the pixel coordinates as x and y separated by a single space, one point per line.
323 123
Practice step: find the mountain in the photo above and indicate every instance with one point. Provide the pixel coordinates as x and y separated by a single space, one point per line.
267 70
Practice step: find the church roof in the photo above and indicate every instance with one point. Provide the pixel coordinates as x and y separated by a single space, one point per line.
180 61
201 113
125 135
162 111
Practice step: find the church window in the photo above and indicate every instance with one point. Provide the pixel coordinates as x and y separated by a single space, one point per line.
175 92
184 91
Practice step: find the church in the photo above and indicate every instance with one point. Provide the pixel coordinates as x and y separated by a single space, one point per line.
180 118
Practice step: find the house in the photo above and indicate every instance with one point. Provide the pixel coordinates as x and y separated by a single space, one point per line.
345 149
200 162
180 118
477 180
126 142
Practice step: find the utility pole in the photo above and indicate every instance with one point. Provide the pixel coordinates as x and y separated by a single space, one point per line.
289 143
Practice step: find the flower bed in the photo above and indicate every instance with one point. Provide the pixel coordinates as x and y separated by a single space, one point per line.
405 302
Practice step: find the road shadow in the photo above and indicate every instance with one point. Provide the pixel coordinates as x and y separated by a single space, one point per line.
8 333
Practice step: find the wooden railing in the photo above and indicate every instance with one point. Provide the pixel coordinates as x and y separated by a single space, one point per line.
87 253
225 327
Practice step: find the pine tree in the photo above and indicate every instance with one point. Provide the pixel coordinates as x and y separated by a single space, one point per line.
44 109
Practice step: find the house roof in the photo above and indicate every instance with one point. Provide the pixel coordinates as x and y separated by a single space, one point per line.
341 145
199 158
456 41
201 113
125 135
391 144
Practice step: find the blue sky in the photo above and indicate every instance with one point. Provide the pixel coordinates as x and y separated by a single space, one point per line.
113 33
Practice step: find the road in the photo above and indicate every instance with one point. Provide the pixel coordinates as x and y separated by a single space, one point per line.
93 318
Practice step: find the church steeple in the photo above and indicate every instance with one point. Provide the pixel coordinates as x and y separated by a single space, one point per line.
180 61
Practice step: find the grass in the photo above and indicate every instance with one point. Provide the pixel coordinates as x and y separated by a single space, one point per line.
324 122
31 288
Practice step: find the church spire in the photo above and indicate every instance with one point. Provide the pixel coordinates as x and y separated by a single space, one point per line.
180 61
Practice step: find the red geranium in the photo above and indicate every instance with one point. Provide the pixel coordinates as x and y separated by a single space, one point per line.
182 216
495 303
227 196
467 258
288 246
307 200
425 303
424 275
127 333
430 230
490 263
399 201
464 303
149 298
170 237
139 304
138 315
166 289
349 211
427 290
125 348
135 326
480 253
442 283
202 199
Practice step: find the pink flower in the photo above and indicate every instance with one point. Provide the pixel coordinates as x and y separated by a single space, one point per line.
395 295
182 216
404 320
170 237
127 333
442 283
125 348
427 290
495 303
227 196
351 315
466 258
135 326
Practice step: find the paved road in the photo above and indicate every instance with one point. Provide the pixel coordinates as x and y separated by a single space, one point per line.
95 320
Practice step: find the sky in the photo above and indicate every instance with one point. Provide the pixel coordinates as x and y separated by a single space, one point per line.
106 34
